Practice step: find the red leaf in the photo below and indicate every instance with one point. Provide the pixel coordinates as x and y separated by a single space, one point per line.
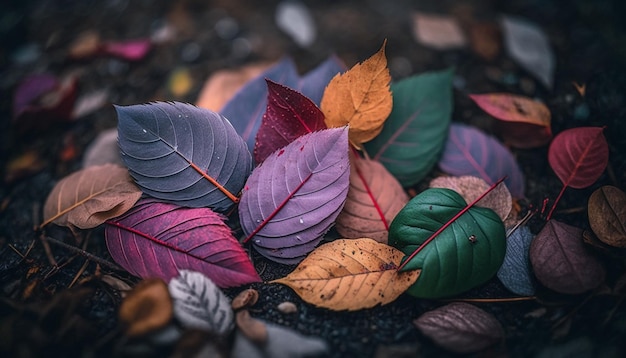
289 115
578 156
156 239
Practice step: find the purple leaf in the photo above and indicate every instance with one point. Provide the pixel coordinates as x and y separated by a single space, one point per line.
469 151
156 239
245 110
183 154
289 115
293 198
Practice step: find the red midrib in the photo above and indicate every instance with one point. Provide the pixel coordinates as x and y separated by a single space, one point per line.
371 195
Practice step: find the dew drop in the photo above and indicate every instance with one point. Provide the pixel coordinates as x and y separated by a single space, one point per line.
298 238
175 147
258 221
301 221
257 241
145 131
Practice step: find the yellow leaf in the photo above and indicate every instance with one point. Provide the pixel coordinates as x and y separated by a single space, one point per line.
350 274
361 98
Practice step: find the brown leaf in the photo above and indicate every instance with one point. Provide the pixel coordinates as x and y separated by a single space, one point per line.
361 98
255 330
223 85
374 198
561 262
26 164
91 196
470 188
147 308
607 215
485 39
245 299
437 31
460 327
350 274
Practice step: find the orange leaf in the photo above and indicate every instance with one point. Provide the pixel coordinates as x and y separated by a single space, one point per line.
525 123
350 274
374 199
361 98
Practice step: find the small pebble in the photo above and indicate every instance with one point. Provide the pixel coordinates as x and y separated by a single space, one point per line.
287 307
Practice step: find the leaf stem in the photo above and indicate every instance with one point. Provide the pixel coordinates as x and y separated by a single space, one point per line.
369 191
442 228
84 253
493 300
556 201
219 186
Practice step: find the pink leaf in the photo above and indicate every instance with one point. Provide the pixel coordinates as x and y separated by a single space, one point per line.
156 239
289 115
578 157
133 50
294 197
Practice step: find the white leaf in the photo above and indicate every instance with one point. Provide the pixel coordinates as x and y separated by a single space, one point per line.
199 303
89 103
281 343
103 150
295 19
436 31
528 45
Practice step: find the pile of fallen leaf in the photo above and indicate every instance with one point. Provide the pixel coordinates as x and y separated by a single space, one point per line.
319 173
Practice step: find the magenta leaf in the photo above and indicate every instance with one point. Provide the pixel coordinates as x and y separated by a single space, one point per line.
130 50
156 239
245 110
183 154
293 198
469 151
289 115
578 156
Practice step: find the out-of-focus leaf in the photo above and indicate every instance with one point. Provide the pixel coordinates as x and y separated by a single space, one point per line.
200 304
561 262
528 45
415 132
361 98
223 84
183 154
103 150
374 199
25 164
147 308
129 50
156 239
42 100
253 329
86 45
89 103
294 18
607 215
281 343
470 188
293 198
525 123
515 273
180 82
578 157
437 31
350 274
461 327
245 110
485 39
469 151
288 116
91 196
465 254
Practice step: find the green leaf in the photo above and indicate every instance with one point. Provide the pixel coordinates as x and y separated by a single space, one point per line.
464 255
415 132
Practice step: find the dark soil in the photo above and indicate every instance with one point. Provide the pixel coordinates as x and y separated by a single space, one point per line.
40 315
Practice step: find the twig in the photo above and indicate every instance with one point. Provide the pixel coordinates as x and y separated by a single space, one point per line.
524 220
48 250
79 273
85 254
493 300
16 251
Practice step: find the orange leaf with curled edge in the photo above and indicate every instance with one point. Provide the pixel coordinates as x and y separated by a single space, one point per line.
524 123
350 274
360 98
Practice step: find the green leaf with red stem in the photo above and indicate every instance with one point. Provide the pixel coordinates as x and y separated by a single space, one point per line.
470 245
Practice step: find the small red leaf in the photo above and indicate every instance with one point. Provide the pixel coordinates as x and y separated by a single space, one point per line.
578 157
289 115
130 50
156 239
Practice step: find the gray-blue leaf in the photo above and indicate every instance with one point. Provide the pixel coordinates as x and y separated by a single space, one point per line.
515 272
282 342
199 303
183 154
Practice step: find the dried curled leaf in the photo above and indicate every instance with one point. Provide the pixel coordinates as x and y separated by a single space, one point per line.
90 197
361 98
607 215
460 327
561 262
350 274
470 187
147 308
374 199
199 303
